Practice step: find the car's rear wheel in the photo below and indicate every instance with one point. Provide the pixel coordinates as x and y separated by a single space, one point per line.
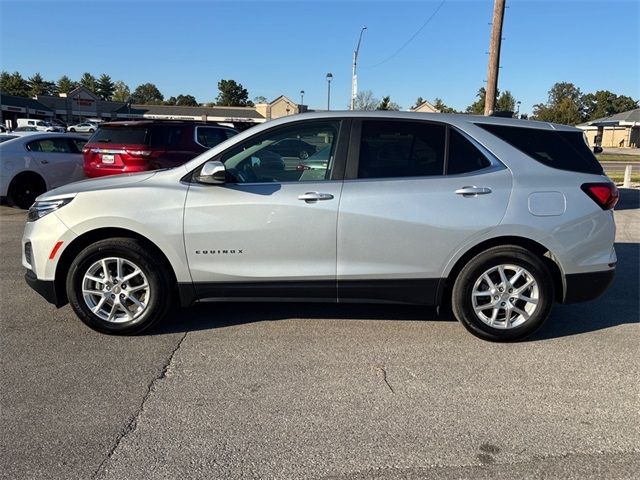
115 286
91 130
72 129
503 294
24 189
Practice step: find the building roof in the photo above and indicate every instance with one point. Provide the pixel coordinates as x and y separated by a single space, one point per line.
425 106
184 111
623 118
22 102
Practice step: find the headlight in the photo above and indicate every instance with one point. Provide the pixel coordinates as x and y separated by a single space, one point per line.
40 209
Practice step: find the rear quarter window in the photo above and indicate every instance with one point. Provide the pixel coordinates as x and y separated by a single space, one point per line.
558 149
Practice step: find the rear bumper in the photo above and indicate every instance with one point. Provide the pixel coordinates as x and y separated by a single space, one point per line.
46 288
582 287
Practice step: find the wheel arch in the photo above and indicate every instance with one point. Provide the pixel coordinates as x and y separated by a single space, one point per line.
533 246
86 239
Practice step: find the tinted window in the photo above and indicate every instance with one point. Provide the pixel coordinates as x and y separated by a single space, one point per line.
77 144
210 136
165 136
50 145
464 157
120 135
254 160
401 149
557 149
4 138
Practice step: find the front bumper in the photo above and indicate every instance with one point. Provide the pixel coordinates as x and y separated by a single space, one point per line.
46 288
582 287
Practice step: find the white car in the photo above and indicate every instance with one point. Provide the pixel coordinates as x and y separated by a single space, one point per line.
497 217
85 127
32 164
39 125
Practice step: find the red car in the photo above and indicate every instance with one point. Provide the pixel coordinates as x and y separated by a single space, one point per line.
127 147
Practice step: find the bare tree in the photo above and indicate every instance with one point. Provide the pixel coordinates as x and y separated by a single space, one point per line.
366 101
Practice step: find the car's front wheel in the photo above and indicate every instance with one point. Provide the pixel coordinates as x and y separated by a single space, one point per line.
503 294
72 129
115 286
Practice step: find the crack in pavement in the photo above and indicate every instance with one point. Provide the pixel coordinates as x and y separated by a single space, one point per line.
132 424
383 373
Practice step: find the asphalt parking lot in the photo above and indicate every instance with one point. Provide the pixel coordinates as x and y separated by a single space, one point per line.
288 391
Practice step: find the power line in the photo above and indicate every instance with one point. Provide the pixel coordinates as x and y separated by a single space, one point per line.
411 38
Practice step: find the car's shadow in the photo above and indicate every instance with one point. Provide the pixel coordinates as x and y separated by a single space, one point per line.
619 305
629 199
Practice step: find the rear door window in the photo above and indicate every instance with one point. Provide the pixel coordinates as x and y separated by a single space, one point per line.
121 135
464 156
401 149
50 145
564 150
210 136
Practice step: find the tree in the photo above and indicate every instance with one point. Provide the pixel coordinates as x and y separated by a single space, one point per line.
260 99
89 82
387 104
477 107
232 94
442 107
419 101
564 105
604 103
39 86
121 92
147 94
105 87
65 84
14 84
506 102
187 101
366 101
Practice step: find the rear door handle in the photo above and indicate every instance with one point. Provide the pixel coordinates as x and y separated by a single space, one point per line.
472 191
311 197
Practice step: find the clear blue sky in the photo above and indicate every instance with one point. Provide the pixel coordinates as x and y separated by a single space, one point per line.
275 48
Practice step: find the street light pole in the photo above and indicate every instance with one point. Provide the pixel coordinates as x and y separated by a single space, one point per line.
354 76
329 77
301 100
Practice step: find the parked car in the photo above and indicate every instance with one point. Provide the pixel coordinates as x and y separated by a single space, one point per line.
126 147
32 164
497 217
39 125
3 129
22 131
293 147
85 127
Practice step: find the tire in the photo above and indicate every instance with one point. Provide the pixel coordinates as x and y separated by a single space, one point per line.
106 310
24 189
91 130
513 313
72 130
303 155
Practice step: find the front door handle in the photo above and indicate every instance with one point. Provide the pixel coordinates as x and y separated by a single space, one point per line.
311 197
472 191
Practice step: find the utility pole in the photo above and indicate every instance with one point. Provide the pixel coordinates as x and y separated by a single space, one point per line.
494 57
354 76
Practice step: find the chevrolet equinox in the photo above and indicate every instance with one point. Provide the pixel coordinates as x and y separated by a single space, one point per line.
498 218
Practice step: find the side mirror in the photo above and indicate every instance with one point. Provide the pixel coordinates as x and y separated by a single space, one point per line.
213 173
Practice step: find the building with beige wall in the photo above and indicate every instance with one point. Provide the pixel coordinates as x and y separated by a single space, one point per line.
425 107
621 130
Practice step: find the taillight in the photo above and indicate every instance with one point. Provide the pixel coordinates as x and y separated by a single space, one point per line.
139 153
606 195
302 168
142 153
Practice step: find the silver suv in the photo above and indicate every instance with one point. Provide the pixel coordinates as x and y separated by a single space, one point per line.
497 217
